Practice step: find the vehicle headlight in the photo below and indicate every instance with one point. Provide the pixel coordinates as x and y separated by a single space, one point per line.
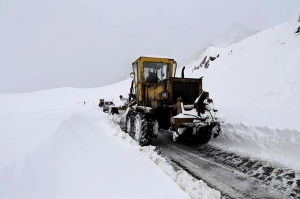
164 94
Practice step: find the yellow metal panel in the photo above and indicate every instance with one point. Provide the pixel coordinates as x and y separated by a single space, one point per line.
153 92
141 92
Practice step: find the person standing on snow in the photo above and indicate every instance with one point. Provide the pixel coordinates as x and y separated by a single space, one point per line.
84 103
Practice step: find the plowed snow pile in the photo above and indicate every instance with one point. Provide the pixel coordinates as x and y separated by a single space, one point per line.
256 84
54 146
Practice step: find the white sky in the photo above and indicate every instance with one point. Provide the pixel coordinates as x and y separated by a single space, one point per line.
89 43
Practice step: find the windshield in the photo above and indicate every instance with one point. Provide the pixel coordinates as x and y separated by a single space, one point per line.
109 103
156 71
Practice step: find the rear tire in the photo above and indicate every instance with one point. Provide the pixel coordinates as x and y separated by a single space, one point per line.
203 136
143 129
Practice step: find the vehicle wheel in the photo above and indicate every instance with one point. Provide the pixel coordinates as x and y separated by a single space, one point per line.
203 136
143 130
186 136
130 116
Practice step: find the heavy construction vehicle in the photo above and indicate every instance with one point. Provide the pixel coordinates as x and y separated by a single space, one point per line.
158 99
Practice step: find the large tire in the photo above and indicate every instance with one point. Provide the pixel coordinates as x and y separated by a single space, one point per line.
203 136
143 129
130 117
186 136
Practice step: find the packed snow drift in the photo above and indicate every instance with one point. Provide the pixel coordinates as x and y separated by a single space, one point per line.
53 145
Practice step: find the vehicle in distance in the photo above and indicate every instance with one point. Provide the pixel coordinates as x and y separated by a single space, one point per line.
106 105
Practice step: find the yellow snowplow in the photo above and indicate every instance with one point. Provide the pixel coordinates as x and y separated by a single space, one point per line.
158 99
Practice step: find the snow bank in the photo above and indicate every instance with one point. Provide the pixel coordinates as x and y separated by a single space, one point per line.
275 145
58 150
62 148
193 187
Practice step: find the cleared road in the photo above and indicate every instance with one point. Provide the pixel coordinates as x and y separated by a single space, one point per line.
233 175
231 182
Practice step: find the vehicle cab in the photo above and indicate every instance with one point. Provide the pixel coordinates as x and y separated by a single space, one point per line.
149 70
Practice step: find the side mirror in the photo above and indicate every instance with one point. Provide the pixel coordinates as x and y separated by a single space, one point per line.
131 74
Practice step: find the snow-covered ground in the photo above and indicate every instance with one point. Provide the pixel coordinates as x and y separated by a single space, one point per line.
54 146
231 35
255 83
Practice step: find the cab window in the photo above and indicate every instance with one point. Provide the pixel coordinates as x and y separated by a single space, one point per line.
136 72
156 71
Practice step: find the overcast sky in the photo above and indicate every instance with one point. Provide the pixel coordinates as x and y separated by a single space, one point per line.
91 43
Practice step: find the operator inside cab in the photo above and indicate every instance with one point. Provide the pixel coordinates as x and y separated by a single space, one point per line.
155 72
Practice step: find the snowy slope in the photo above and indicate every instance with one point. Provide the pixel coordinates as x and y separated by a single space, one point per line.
261 71
231 35
255 82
